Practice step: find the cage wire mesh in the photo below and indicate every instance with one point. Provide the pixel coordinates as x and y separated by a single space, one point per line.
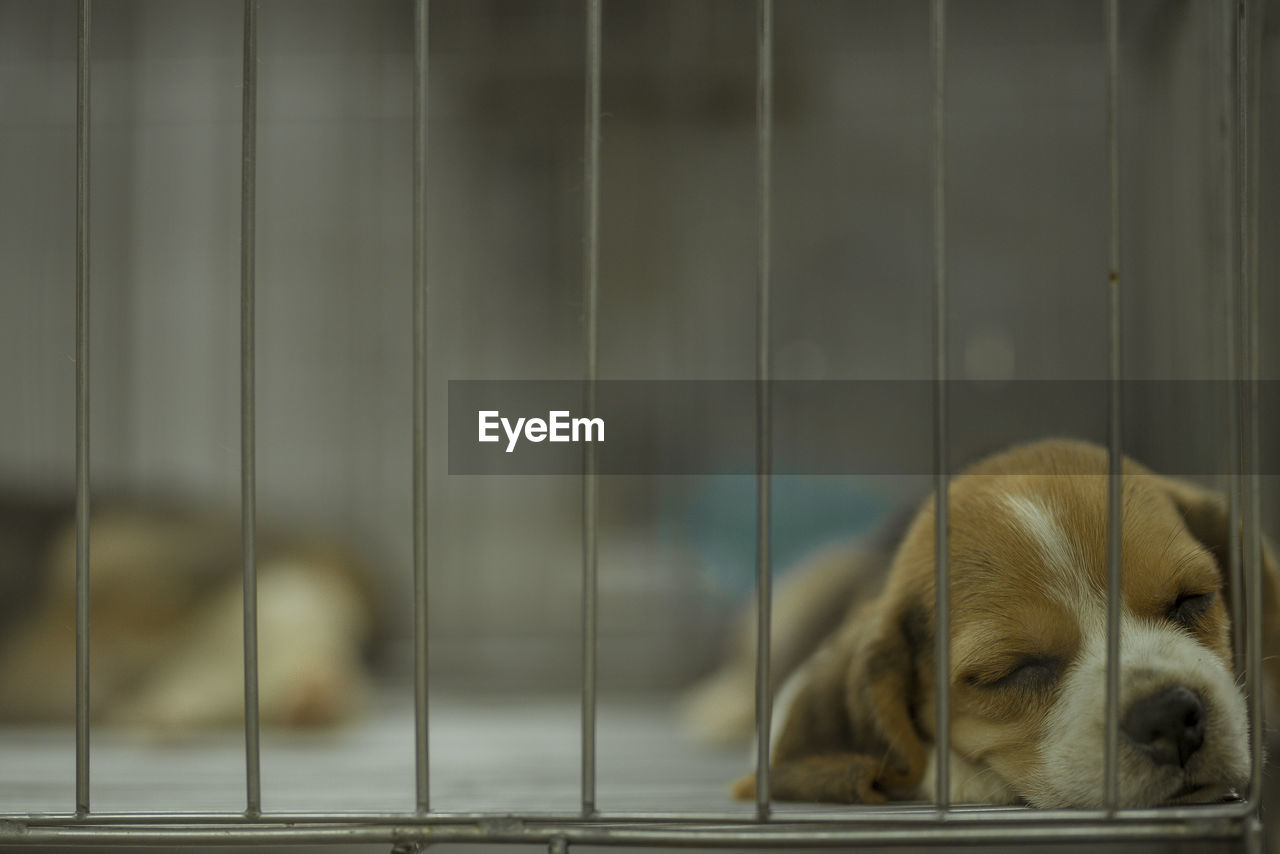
623 190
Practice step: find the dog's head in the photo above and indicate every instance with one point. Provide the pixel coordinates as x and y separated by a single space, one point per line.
1028 568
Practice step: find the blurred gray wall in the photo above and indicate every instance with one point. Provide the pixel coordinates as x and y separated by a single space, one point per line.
852 252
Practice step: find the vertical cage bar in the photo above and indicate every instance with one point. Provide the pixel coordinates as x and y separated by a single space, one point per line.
590 483
248 414
84 17
422 774
1248 89
942 569
1231 289
1114 447
764 427
1233 295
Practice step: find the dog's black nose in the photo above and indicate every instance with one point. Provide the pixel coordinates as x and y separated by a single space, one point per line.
1168 726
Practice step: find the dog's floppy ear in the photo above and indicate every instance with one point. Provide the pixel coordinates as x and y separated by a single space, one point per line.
851 733
1205 514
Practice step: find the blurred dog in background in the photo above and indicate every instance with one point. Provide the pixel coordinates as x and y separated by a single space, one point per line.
166 617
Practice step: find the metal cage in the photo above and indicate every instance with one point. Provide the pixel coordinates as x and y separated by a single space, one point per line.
940 823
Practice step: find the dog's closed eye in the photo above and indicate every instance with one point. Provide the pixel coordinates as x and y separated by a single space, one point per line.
1188 608
1029 672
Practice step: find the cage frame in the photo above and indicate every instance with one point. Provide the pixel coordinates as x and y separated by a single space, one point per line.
938 823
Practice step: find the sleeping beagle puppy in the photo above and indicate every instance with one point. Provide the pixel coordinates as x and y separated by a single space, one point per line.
1028 569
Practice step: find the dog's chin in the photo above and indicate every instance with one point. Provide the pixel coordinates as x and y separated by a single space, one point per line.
1190 792
1201 793
1182 792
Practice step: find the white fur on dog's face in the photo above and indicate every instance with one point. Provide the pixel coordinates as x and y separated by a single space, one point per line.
1028 570
1154 658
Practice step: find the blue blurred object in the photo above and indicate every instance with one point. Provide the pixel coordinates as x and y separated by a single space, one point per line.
716 517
